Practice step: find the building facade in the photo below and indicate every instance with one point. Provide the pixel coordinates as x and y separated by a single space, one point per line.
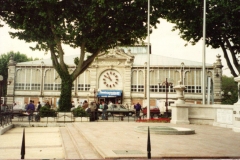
119 76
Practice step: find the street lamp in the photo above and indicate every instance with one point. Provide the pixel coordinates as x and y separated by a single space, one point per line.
167 84
222 94
1 79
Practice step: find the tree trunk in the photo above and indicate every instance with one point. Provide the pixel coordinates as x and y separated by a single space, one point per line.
66 95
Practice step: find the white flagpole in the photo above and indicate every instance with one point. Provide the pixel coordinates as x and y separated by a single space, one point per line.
203 55
148 65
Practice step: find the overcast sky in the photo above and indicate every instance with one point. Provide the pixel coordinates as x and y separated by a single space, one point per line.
164 42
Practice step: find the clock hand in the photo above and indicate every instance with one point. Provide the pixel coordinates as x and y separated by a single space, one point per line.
109 77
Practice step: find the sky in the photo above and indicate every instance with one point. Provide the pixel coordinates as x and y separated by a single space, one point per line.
163 41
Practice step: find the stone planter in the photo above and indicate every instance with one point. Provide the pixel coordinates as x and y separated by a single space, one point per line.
81 119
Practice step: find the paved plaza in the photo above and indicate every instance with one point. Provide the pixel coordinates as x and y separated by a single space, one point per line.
116 140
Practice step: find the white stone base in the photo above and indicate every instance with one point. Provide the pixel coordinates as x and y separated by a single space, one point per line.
81 119
235 129
5 128
179 122
222 125
48 119
65 117
179 114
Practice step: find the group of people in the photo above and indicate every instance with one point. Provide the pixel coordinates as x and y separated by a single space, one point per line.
92 109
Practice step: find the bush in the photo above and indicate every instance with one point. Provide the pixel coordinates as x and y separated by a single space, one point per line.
47 112
80 112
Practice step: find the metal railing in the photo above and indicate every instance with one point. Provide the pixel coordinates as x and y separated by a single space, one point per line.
5 118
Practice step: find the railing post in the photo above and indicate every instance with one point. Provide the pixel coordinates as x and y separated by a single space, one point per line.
23 145
148 145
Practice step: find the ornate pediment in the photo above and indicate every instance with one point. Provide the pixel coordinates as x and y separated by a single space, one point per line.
114 56
115 53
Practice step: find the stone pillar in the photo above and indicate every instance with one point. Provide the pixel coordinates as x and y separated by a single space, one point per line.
179 110
179 114
11 81
217 80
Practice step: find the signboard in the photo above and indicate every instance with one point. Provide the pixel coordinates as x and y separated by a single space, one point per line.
109 93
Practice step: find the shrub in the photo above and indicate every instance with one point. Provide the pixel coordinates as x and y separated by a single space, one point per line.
80 112
47 112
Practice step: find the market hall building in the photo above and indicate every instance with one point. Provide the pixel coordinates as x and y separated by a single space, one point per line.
119 76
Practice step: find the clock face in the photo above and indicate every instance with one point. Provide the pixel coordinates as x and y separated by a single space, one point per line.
110 79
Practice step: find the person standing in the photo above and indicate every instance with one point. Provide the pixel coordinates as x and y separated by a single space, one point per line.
30 110
47 105
104 111
39 106
138 108
96 111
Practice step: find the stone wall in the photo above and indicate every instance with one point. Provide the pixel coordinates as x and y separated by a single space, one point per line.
227 116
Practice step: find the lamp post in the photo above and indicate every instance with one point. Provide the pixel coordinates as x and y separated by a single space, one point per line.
94 92
1 79
167 84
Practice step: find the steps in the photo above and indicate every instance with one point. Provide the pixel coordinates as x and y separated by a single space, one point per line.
75 145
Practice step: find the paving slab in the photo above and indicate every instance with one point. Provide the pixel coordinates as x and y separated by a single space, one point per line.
119 140
40 142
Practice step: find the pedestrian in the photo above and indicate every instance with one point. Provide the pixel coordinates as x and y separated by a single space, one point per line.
138 108
47 105
96 111
104 111
93 107
85 105
30 110
39 106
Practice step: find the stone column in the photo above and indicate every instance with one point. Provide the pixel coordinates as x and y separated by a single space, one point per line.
11 81
179 110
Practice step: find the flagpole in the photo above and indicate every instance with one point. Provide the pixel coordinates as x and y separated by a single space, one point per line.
148 63
203 54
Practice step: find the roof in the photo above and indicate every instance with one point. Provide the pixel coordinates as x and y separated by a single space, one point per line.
139 60
158 60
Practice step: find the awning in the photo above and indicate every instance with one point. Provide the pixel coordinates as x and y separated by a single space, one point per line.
109 93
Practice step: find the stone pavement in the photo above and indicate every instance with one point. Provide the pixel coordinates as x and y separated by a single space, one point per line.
117 140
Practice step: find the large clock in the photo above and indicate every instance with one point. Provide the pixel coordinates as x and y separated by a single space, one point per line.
110 79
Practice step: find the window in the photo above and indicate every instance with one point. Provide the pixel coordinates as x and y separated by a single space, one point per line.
83 81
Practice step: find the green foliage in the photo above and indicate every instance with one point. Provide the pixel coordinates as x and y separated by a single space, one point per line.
222 24
80 112
91 26
47 112
229 85
4 59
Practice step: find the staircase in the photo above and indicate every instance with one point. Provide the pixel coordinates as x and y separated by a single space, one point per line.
75 145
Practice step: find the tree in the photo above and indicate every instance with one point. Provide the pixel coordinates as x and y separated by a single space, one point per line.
91 26
222 25
229 85
4 59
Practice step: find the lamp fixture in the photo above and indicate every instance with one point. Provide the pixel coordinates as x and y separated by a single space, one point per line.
9 81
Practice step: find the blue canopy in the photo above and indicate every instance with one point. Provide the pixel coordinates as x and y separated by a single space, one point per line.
109 93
